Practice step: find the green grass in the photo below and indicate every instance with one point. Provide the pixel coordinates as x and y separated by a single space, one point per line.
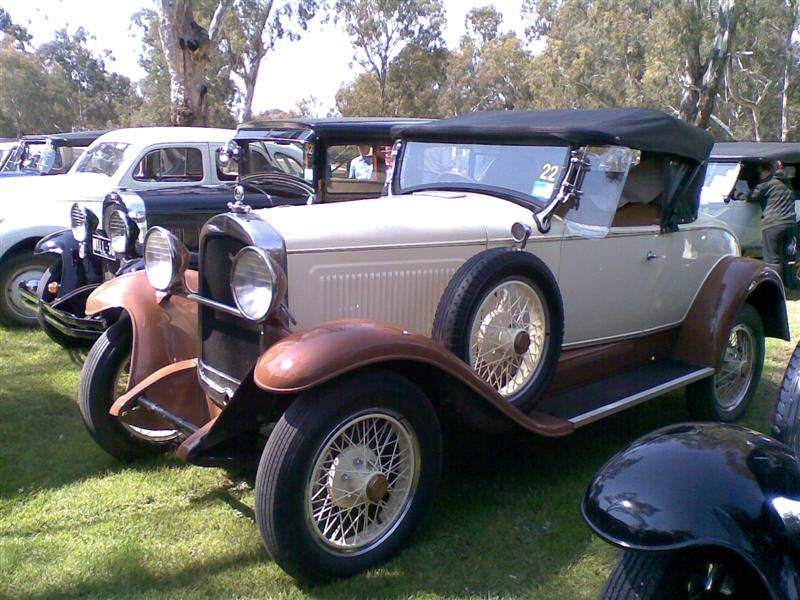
505 524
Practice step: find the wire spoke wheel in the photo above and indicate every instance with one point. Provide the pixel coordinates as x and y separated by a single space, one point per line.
733 378
362 483
507 336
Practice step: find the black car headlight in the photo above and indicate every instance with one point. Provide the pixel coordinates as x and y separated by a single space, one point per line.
83 222
165 259
257 283
119 232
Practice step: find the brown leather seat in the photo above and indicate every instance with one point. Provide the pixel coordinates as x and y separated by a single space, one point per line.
636 214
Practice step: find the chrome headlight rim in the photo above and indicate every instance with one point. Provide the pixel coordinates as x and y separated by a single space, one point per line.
276 277
177 255
83 226
120 243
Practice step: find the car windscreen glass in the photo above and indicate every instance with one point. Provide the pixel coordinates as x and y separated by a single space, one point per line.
719 182
105 158
530 172
31 157
602 188
287 157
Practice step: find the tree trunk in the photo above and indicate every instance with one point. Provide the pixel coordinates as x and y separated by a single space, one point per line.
186 46
791 5
702 79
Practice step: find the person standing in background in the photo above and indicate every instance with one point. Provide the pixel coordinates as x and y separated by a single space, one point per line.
774 193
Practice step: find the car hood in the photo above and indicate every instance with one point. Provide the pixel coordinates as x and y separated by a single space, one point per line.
72 187
397 221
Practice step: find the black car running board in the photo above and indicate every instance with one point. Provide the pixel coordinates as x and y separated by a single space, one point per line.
611 395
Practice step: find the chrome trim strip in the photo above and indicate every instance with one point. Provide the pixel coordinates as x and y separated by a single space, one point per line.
643 396
479 242
622 337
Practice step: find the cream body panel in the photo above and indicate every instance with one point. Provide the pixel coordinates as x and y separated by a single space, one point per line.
390 259
612 290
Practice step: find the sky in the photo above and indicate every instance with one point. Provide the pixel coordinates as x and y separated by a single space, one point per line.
315 65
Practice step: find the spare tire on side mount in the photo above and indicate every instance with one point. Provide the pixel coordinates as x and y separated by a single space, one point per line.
502 314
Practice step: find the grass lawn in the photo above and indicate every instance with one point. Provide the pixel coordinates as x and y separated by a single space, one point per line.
76 524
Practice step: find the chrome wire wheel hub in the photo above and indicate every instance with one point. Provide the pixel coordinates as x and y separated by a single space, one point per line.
121 380
507 337
29 275
734 376
714 580
362 483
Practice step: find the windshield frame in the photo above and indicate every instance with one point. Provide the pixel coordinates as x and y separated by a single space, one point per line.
520 198
243 141
14 162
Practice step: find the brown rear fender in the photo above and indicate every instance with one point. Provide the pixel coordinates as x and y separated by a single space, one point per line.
733 282
164 327
310 358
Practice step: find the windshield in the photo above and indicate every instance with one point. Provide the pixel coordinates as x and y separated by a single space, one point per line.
531 172
31 157
105 158
719 182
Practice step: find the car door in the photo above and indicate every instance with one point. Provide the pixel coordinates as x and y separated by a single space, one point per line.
605 273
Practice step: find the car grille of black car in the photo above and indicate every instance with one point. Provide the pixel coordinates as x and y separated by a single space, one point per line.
230 344
76 217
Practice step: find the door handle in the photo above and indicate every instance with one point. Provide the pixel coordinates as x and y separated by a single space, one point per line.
652 255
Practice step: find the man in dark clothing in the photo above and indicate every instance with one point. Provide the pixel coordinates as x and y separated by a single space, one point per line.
775 195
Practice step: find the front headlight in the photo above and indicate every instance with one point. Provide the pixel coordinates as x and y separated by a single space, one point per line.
119 231
165 259
82 221
257 283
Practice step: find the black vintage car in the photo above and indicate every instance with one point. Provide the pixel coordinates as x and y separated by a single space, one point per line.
705 510
48 154
268 163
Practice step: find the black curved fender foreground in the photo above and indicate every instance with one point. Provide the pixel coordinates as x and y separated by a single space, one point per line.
76 271
703 484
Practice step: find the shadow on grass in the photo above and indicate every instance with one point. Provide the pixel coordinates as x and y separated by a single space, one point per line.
126 576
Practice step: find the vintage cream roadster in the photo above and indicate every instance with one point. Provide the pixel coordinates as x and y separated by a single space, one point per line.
534 269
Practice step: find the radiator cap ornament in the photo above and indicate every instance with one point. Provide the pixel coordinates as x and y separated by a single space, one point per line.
239 207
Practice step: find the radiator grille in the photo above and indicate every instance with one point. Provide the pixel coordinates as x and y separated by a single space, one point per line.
230 344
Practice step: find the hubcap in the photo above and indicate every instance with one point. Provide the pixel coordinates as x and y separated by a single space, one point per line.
362 483
736 372
507 336
25 274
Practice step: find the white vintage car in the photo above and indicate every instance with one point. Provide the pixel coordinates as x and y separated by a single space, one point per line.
533 269
732 168
135 159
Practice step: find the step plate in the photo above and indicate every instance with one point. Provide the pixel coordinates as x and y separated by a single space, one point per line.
608 396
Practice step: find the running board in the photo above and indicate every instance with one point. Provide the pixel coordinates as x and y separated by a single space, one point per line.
608 396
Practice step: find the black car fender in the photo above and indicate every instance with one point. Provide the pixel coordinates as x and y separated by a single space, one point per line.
701 485
76 270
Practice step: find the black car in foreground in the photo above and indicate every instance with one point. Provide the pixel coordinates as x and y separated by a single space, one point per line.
268 164
705 510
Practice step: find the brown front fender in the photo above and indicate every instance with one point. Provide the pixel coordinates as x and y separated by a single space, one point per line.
733 282
307 359
164 328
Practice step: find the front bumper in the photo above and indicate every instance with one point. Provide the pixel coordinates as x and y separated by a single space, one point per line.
65 314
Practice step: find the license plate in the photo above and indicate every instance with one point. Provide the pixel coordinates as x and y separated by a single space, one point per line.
102 247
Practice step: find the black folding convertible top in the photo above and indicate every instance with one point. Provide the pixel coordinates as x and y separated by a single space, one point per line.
340 128
756 151
639 128
72 138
